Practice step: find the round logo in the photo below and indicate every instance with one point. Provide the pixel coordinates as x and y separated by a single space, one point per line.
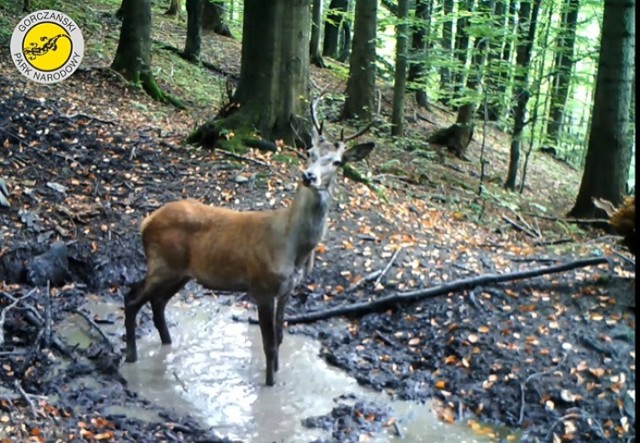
47 46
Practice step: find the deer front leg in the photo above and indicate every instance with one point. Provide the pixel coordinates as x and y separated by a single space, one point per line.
282 303
266 318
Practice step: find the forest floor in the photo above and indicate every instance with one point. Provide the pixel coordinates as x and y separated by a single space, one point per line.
85 160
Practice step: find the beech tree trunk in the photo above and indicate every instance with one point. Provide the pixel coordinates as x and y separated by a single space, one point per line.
174 8
133 56
419 51
527 22
563 64
447 47
314 44
494 66
362 69
213 18
461 45
608 155
194 29
333 27
400 80
272 91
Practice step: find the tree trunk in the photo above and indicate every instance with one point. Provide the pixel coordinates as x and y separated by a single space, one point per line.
194 29
332 27
447 47
26 5
362 69
345 41
506 71
400 78
174 8
563 64
314 45
527 21
494 99
461 45
133 56
608 155
419 52
274 73
213 18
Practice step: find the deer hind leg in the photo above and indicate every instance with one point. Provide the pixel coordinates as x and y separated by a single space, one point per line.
152 288
266 318
158 305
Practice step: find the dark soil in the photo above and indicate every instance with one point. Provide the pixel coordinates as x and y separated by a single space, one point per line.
552 357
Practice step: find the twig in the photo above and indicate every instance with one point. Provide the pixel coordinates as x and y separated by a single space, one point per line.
578 414
386 268
179 380
519 227
367 278
523 385
625 258
241 157
95 326
26 398
47 316
14 303
390 301
554 242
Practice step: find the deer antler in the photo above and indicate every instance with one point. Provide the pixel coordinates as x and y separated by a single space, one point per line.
314 118
368 126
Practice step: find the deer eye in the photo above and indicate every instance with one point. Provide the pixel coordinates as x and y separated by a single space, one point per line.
337 163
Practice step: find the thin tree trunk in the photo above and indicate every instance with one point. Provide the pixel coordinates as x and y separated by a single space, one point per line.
506 71
526 35
563 64
461 45
332 27
493 62
608 156
213 18
194 29
400 79
362 69
174 8
419 51
314 44
345 41
447 47
26 5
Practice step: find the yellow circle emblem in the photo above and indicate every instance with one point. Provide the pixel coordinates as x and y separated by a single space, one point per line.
47 46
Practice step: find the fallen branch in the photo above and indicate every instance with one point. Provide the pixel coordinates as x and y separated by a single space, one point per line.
519 227
14 303
391 301
26 398
523 386
386 268
241 157
367 278
94 325
47 317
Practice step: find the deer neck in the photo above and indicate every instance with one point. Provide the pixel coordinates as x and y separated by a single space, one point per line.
306 221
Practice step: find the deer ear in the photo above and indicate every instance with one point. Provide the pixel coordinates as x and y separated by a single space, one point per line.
357 152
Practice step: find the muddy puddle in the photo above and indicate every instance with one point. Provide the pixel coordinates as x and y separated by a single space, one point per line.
214 371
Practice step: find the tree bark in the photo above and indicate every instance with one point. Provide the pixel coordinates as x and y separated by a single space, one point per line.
527 21
400 78
505 70
133 56
419 51
26 5
194 30
213 18
494 99
563 64
608 155
314 44
447 47
274 73
362 69
332 27
345 41
461 45
174 8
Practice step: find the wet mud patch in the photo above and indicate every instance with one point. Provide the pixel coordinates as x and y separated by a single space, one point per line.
351 420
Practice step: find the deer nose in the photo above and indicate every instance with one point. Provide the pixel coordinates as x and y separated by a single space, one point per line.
308 177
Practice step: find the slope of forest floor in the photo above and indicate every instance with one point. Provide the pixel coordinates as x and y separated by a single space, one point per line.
87 159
